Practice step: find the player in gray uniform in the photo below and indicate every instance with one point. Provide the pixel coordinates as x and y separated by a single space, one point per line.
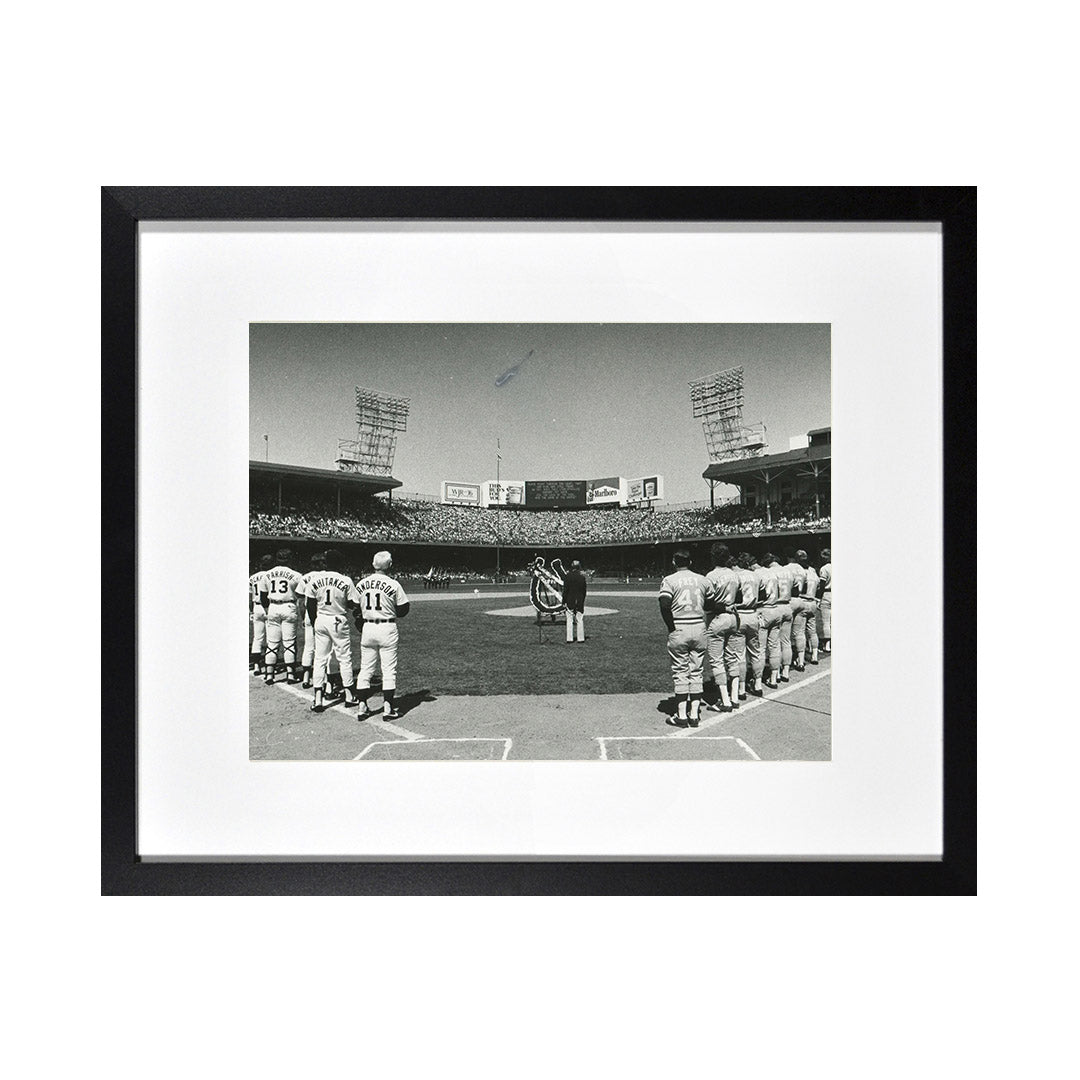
825 601
798 610
382 603
811 602
726 645
682 607
749 626
771 618
257 615
783 588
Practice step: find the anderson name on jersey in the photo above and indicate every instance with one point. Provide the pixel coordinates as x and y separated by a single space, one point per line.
380 597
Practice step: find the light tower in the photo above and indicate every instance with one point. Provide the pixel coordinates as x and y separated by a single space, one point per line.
379 418
718 400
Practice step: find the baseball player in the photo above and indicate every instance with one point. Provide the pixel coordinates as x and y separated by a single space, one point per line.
770 617
783 584
574 589
258 615
825 601
316 565
330 595
682 607
798 609
726 645
750 626
382 603
278 593
811 601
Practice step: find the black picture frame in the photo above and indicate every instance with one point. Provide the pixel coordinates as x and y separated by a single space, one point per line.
123 208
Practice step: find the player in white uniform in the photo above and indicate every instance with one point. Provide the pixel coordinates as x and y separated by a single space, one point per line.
330 596
279 593
316 565
258 615
382 603
682 607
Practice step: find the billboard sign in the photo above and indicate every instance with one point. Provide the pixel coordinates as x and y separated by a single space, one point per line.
554 494
460 494
611 489
645 489
503 493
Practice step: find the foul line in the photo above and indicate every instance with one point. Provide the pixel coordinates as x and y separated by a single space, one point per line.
725 718
384 725
506 748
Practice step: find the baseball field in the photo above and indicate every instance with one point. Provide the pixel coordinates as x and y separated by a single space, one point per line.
478 679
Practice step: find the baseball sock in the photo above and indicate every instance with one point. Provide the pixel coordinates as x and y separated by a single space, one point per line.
724 698
388 701
735 690
680 705
695 708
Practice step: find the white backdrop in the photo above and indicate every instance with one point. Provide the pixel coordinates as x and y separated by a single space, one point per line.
200 287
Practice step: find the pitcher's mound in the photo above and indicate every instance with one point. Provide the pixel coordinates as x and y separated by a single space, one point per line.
529 612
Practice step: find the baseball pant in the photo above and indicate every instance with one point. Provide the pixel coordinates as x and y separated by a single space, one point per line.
770 618
754 660
824 617
575 619
686 648
726 647
811 626
332 636
798 626
378 645
308 653
785 634
258 630
281 634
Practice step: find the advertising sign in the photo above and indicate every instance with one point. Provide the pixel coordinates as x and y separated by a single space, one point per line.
503 493
460 494
645 489
549 494
611 489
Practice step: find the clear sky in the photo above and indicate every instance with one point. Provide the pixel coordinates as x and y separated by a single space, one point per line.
593 400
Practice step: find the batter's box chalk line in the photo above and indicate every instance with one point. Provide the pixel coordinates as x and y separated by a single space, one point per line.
603 740
507 744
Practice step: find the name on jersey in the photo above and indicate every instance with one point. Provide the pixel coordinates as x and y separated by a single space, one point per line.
332 581
388 587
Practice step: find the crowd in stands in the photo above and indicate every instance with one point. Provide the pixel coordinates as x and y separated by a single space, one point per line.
404 521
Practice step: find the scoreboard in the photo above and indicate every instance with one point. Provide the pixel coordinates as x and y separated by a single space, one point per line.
548 494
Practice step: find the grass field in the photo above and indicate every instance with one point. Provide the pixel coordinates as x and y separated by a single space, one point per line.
481 687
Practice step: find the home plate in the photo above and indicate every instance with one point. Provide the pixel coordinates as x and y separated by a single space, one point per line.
527 611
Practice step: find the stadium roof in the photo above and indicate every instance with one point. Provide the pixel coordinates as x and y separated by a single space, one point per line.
747 470
273 471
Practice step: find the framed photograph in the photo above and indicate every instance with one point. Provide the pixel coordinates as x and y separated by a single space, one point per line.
535 496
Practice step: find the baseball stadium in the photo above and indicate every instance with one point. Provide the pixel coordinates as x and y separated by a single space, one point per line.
532 589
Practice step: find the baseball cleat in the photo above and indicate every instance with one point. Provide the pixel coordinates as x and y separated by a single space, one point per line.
316 708
393 714
675 721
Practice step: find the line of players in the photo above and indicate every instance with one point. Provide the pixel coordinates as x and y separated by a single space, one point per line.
752 621
328 620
